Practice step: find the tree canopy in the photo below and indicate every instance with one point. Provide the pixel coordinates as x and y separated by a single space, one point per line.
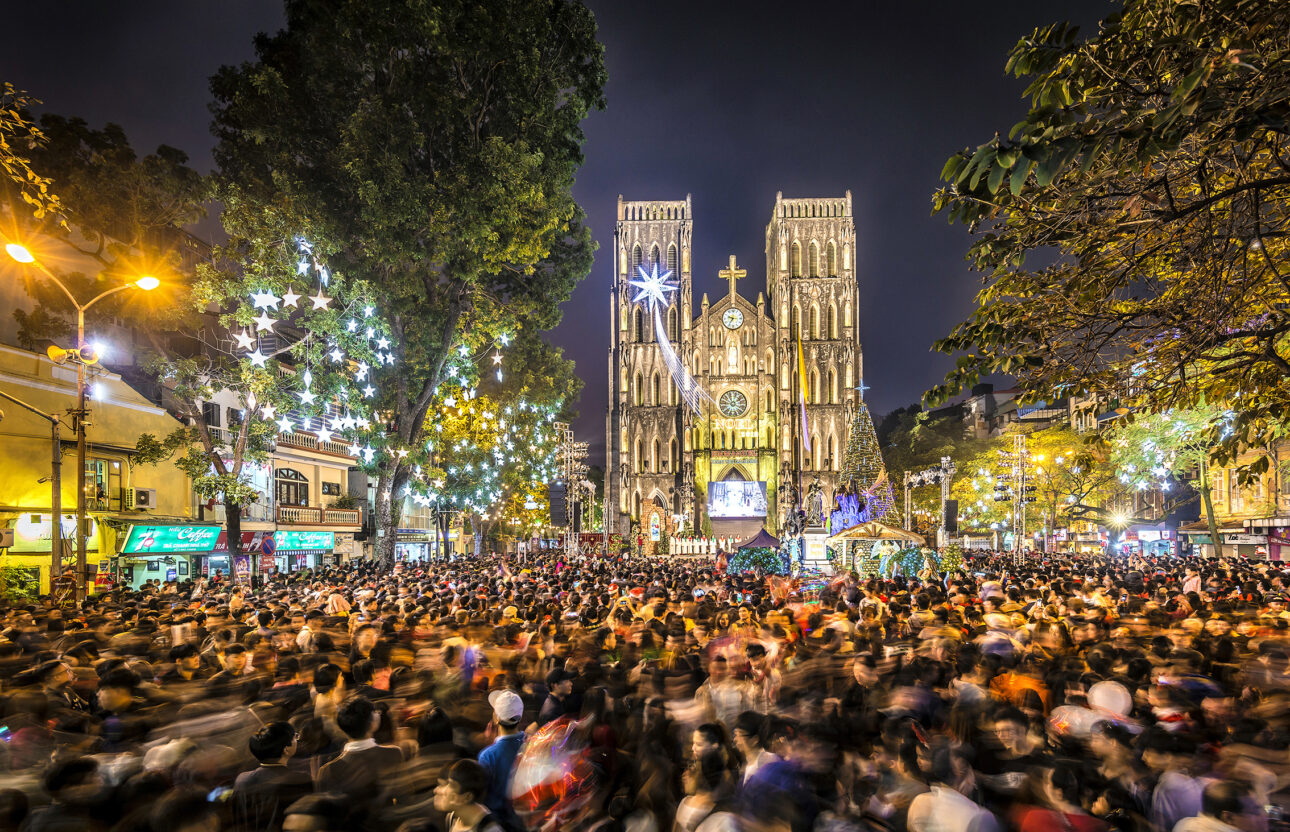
1130 228
433 146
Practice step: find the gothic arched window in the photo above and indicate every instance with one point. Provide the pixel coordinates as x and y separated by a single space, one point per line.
797 260
833 259
815 322
833 321
671 257
636 260
671 324
814 261
653 256
638 324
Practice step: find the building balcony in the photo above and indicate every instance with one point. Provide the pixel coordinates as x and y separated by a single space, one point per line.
309 442
315 516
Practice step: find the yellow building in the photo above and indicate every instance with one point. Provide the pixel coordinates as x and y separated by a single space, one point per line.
1253 517
120 492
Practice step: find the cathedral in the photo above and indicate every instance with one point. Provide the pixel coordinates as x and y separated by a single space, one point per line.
739 461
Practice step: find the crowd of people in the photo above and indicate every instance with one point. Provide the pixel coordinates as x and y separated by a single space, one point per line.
545 692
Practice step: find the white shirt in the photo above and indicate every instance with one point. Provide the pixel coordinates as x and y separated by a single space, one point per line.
945 810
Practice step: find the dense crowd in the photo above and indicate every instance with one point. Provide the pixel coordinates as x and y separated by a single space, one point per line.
651 695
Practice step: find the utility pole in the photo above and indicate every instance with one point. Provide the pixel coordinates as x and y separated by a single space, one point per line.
56 486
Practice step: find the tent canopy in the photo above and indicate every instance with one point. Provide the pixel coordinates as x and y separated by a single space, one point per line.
762 540
874 530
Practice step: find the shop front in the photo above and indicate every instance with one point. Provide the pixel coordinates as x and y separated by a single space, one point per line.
1235 542
164 553
28 560
218 562
412 546
295 551
1149 541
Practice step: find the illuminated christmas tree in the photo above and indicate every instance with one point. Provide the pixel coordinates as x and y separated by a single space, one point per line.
864 473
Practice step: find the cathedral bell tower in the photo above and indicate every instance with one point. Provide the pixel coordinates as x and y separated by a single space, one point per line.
643 452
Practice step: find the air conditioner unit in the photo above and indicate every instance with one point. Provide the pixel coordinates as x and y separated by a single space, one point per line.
145 499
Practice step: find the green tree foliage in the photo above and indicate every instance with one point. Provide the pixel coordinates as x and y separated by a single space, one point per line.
914 439
19 137
435 146
1131 227
500 446
1157 452
863 465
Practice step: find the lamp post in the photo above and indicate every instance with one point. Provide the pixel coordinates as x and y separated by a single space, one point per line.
82 356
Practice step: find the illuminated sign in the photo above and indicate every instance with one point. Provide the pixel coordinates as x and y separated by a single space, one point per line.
146 540
736 498
297 541
33 533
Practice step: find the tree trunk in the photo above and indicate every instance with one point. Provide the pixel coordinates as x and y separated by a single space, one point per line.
233 533
1207 499
389 510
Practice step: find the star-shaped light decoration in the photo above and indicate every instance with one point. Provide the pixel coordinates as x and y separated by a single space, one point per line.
362 371
303 266
324 435
268 412
497 358
264 300
367 311
336 354
369 391
352 326
264 322
320 301
245 340
257 358
383 342
307 397
464 350
355 449
653 287
285 425
290 299
362 422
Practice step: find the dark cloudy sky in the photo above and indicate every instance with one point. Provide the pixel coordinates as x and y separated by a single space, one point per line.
727 101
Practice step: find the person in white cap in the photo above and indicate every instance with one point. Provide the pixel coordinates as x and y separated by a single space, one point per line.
498 759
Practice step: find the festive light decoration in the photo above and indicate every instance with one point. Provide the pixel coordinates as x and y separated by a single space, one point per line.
864 473
654 289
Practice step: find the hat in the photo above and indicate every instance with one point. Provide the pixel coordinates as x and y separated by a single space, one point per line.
507 705
510 612
557 676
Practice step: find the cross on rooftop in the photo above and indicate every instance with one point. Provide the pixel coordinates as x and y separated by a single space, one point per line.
732 274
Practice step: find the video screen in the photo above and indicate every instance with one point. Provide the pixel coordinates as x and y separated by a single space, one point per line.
736 499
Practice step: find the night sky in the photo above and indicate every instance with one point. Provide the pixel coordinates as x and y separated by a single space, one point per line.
729 102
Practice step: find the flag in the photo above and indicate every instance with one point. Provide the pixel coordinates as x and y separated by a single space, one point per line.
801 385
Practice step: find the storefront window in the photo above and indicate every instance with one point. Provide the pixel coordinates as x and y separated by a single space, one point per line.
291 488
103 484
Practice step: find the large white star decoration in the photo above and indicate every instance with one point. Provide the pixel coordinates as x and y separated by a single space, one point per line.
352 325
257 358
362 371
264 322
402 453
362 422
290 298
449 401
320 301
324 435
245 340
368 391
307 397
497 358
368 453
464 350
303 266
268 412
653 287
339 423
355 450
285 425
336 354
383 342
264 300
367 311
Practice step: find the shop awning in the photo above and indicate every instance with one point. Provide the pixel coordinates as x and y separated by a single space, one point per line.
168 540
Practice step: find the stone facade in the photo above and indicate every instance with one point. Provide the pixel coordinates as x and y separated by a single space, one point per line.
743 354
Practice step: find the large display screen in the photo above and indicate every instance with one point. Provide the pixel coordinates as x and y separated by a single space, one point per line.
736 498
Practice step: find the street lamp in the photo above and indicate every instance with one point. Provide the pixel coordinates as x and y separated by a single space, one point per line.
81 356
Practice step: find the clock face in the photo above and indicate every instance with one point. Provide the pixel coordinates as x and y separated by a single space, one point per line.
733 319
733 403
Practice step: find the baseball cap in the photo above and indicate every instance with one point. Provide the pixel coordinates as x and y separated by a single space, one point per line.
507 705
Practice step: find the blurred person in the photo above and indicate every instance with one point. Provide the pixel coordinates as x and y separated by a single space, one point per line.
458 796
262 795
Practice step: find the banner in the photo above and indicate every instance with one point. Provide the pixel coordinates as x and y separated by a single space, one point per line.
149 540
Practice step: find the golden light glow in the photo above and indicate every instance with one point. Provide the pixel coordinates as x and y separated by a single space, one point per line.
20 253
147 283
